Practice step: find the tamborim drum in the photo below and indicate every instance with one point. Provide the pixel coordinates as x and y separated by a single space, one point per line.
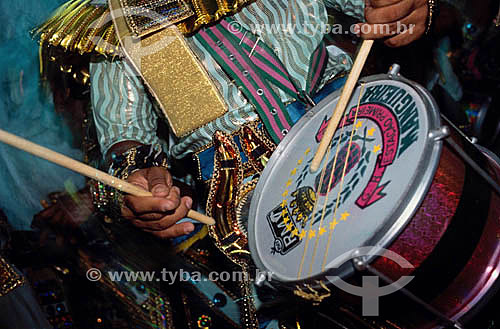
390 182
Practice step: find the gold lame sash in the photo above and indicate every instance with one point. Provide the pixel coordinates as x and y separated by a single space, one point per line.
173 74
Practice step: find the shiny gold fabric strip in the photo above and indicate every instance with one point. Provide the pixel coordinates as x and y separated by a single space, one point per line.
91 31
74 32
9 278
80 27
175 77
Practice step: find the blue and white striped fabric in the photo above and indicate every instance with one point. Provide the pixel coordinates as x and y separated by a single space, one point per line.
293 29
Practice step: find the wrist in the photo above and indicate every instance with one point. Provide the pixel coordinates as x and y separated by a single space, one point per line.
119 149
135 158
109 200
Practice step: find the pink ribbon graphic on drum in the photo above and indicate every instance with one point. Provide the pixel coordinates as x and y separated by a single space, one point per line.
389 128
374 190
388 125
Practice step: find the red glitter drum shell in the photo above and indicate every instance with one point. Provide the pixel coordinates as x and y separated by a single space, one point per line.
481 271
421 236
425 230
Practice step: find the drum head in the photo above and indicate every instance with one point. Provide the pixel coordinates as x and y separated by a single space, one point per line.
379 166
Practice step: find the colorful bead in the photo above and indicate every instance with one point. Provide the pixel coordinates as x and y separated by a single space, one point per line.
204 322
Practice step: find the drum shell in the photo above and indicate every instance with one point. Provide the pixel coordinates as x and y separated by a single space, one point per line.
453 240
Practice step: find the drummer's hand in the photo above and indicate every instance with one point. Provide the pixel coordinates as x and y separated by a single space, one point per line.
409 15
157 214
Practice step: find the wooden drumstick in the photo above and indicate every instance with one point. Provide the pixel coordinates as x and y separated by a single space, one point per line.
86 170
345 96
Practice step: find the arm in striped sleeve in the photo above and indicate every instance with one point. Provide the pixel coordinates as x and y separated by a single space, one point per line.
121 106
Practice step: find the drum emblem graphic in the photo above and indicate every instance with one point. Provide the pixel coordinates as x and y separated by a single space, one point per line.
369 140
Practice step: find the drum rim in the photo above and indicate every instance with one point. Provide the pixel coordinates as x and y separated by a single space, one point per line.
421 182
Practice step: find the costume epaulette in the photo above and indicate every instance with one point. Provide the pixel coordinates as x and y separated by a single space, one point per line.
81 26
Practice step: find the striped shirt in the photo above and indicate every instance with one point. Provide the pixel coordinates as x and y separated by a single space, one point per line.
123 110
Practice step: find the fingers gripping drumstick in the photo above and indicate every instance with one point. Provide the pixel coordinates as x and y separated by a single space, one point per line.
85 170
345 96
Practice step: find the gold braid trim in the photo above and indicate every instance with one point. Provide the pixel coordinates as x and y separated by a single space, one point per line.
314 295
210 11
80 27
